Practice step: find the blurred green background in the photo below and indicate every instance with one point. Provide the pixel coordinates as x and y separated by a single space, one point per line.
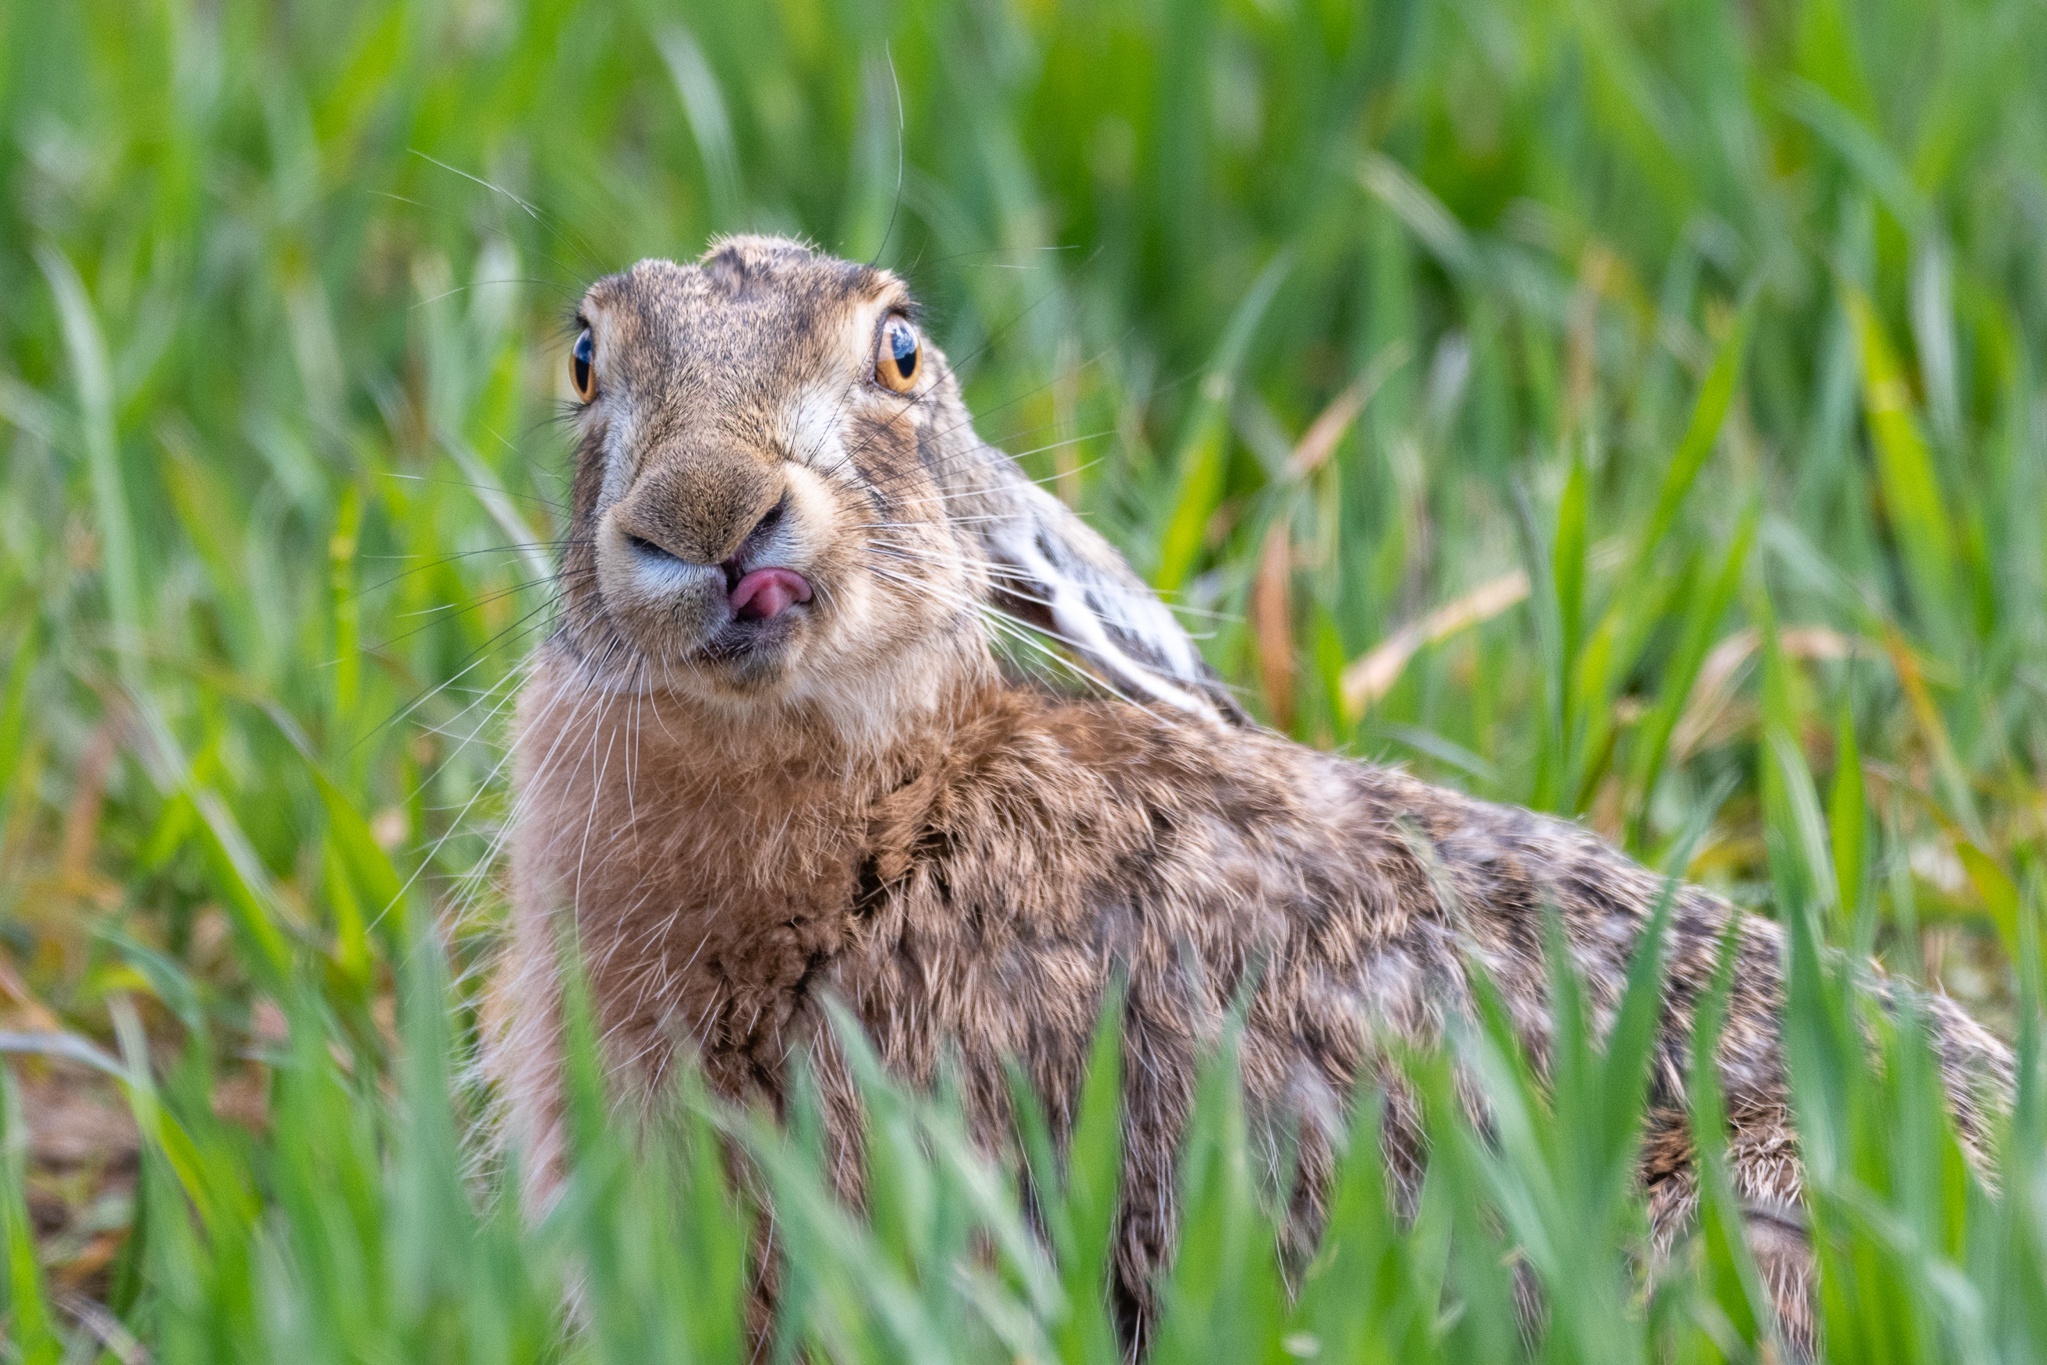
1610 408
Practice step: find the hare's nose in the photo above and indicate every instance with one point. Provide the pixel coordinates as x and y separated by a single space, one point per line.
659 569
698 505
653 552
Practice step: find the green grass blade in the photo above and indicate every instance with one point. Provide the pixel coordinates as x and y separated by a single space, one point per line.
1731 1286
92 376
31 1330
1203 450
1913 502
1702 433
1847 817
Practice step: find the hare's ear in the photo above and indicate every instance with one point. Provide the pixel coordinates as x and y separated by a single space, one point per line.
1054 571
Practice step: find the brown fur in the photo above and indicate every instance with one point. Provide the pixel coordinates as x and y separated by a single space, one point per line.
862 804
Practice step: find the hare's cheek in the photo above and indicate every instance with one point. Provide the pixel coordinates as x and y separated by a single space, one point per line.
810 428
813 516
609 459
818 534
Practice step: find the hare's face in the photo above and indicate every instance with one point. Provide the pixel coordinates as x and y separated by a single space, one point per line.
757 504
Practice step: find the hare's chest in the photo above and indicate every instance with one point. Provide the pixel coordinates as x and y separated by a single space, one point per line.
710 931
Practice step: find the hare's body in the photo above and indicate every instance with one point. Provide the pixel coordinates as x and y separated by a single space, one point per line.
966 860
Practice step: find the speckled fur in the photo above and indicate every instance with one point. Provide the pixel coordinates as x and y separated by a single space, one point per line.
872 809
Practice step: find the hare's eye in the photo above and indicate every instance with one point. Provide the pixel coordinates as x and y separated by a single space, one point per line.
583 366
895 360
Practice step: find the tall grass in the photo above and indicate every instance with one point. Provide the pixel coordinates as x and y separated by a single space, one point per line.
1633 411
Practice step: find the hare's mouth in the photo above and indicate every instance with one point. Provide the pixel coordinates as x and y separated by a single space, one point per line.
764 594
763 607
742 614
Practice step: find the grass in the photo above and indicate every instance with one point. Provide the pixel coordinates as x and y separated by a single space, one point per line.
1633 411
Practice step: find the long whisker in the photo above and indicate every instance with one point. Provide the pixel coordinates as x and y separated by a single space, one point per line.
474 660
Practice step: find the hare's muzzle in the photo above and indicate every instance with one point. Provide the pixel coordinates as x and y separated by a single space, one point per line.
700 561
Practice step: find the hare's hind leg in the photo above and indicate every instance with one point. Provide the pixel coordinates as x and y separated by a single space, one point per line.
1783 1257
1763 1167
1783 1254
1764 1174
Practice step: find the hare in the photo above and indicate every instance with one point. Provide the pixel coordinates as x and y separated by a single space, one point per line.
771 756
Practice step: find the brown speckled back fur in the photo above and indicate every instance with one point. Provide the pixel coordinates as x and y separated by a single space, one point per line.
854 800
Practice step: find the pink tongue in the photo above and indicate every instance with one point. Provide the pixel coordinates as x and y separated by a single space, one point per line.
768 592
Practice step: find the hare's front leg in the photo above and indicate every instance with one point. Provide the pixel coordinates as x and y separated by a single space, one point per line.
522 1056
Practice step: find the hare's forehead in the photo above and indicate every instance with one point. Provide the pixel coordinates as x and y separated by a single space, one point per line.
797 323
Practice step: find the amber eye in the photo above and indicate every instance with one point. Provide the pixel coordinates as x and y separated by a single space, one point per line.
583 366
895 360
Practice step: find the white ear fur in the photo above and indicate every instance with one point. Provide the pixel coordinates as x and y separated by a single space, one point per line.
1056 572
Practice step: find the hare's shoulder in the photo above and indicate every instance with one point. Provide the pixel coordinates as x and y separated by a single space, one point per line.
1073 807
1047 800
1042 763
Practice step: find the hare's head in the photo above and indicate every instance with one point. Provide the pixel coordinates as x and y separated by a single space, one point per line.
780 500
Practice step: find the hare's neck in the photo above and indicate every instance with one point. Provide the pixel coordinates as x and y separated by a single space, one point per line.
630 800
711 876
